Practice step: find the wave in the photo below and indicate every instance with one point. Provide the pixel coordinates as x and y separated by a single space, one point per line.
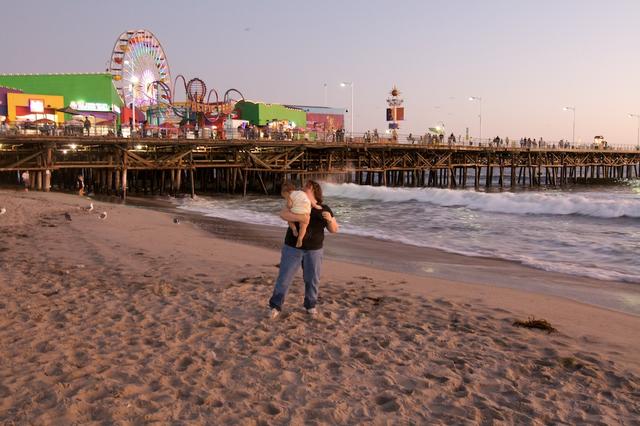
211 208
531 260
241 212
594 204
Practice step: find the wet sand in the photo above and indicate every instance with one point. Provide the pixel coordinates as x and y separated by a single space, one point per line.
426 262
135 319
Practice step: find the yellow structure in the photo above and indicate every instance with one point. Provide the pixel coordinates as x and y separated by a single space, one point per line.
32 107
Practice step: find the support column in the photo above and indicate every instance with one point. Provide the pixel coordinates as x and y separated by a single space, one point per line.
109 181
124 175
245 181
178 180
47 172
39 181
191 169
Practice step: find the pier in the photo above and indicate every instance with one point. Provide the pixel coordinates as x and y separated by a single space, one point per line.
174 166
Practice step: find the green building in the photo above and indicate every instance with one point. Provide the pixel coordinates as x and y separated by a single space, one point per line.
92 93
261 114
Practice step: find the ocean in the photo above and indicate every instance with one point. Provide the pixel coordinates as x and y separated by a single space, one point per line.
591 231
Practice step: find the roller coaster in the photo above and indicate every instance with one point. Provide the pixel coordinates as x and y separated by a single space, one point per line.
199 106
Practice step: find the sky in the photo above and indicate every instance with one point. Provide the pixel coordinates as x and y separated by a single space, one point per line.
526 59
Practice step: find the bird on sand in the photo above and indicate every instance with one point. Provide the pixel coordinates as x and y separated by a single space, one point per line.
67 216
176 220
3 211
103 215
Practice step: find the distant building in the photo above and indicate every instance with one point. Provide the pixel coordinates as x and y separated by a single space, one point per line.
322 118
3 99
34 107
261 114
89 93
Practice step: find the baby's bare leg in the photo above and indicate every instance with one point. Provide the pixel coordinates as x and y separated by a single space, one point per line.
303 229
300 218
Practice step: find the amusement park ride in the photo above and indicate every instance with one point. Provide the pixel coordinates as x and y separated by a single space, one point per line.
142 77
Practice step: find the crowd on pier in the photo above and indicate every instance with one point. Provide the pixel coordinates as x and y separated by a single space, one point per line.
280 133
48 128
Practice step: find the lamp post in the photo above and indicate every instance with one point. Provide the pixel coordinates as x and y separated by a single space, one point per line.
325 93
350 84
479 99
573 133
135 81
638 134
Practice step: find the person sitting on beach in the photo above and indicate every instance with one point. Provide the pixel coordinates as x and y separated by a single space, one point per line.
26 180
298 203
80 185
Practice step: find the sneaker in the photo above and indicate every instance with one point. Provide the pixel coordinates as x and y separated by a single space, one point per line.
274 313
312 311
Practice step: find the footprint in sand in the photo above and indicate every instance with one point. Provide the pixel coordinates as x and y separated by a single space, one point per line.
388 402
272 409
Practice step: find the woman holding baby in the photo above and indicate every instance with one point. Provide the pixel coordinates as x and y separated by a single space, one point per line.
307 252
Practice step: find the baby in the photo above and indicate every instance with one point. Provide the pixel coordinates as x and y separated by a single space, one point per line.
298 203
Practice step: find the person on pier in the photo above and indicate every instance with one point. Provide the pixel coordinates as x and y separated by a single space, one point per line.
87 125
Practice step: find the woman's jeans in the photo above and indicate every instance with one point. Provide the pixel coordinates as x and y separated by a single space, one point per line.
290 260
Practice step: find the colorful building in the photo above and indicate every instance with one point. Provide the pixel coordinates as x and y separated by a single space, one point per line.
34 107
322 118
89 93
261 114
3 100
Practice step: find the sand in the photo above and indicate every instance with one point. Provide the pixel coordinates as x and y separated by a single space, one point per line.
135 319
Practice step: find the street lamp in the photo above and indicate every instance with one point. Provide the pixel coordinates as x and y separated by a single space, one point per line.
479 99
573 134
638 135
350 84
135 81
325 93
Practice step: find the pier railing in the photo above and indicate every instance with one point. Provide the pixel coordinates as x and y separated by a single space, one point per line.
307 137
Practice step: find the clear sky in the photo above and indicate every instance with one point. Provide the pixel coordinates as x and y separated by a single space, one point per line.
527 59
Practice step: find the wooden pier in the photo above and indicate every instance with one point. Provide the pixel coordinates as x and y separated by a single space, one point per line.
172 166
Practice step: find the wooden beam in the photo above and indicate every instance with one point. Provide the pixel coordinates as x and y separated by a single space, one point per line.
21 162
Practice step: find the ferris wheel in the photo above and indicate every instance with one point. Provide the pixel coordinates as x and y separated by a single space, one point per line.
138 63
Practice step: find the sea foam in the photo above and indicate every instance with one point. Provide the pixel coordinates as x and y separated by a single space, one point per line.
586 204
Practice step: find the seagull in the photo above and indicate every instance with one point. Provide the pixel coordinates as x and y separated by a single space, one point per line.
67 216
2 211
103 215
176 220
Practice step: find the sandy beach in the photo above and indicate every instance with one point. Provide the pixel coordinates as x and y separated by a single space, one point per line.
135 319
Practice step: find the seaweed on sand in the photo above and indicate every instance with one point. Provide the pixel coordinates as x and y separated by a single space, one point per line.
539 324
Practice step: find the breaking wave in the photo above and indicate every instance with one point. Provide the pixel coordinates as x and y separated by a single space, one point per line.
587 204
583 246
